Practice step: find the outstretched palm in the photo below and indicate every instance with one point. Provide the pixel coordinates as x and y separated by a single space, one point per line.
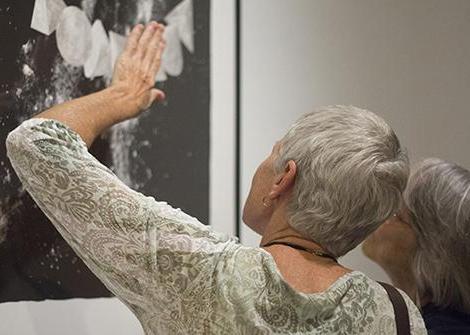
137 67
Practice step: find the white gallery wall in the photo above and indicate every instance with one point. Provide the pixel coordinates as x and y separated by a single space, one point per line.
409 61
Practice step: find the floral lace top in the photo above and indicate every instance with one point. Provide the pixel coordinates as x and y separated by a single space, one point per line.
177 275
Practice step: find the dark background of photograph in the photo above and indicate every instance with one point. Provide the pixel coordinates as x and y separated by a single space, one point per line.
35 262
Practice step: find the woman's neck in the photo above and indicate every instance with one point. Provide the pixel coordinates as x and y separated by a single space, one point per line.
298 267
279 230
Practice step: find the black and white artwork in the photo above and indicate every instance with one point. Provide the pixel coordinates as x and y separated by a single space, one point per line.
56 50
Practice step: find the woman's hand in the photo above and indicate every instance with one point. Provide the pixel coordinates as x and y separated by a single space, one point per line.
137 67
132 89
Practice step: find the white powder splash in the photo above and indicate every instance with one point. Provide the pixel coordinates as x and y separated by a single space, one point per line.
27 70
27 47
63 87
7 208
125 154
9 204
33 99
122 138
64 82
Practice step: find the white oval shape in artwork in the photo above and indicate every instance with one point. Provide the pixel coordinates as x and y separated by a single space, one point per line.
182 17
161 75
98 63
172 58
74 36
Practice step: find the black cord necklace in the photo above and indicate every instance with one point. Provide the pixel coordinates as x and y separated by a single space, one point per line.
319 253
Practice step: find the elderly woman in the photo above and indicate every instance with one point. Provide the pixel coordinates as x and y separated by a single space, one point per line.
425 249
335 176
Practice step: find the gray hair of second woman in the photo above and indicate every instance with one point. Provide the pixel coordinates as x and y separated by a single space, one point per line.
351 172
438 198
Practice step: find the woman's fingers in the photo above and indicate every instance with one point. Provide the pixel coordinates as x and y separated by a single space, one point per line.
157 60
145 39
152 50
134 38
143 53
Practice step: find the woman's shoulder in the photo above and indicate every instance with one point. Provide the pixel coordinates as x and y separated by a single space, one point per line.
366 302
355 301
258 265
385 309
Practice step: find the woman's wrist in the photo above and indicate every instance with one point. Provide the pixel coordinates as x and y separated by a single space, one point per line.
93 114
106 108
121 105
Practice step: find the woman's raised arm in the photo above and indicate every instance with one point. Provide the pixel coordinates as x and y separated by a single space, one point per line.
141 249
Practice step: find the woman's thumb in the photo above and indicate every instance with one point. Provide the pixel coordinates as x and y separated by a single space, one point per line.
156 95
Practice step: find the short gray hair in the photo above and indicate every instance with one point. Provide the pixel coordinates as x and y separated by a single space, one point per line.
438 199
351 172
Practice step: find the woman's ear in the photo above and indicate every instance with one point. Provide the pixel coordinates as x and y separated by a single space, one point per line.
284 181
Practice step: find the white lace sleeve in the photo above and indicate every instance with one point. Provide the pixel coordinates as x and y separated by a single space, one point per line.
144 251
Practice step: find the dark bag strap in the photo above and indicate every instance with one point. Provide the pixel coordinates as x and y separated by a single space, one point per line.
402 319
